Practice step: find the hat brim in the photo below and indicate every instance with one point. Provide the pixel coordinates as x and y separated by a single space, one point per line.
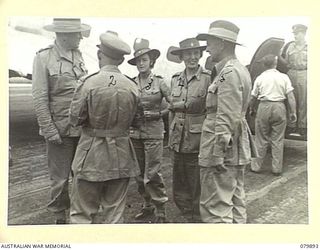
179 51
205 37
171 57
84 28
155 52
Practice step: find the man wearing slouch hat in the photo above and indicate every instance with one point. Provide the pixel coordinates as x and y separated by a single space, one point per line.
56 70
225 146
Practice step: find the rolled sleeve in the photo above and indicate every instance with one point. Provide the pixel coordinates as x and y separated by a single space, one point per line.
255 89
288 85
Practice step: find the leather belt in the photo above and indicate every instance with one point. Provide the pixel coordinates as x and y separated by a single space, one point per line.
94 132
184 115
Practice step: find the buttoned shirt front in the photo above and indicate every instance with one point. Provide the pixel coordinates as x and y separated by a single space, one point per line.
151 96
55 77
297 57
188 110
272 85
105 105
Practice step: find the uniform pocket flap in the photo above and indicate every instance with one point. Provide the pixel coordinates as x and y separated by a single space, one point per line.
213 88
195 128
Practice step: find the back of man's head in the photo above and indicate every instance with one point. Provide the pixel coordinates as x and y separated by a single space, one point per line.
269 61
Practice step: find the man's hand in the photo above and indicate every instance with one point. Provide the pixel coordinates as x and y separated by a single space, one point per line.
55 139
293 117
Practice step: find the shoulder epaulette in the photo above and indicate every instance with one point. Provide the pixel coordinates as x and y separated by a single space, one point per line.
44 49
131 79
206 71
158 76
176 74
86 77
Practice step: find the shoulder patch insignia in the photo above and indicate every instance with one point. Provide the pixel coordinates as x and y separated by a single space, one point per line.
222 76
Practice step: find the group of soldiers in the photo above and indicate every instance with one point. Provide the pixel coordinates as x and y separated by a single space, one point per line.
108 128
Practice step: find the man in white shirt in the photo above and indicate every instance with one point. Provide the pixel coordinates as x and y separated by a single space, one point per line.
271 89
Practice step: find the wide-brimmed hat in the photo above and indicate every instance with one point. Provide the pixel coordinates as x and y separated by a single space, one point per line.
187 44
223 30
68 25
113 46
299 28
141 47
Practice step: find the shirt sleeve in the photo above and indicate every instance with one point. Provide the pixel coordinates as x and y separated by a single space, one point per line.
255 89
40 94
288 84
229 107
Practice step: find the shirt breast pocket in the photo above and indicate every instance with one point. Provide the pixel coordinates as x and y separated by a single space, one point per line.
211 101
176 92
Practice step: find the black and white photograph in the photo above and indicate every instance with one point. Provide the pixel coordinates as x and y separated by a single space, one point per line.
157 120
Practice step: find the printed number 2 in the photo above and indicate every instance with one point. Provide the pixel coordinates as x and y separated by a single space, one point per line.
112 81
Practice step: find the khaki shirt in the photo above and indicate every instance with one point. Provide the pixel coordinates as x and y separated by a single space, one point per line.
188 100
54 79
226 137
151 96
297 58
105 105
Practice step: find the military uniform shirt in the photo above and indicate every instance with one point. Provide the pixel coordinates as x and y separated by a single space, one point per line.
55 77
226 137
151 96
105 105
297 57
188 104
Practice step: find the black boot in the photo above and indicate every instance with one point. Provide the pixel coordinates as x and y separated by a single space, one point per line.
145 214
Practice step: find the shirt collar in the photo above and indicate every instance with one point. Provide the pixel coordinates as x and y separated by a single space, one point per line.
148 82
196 75
110 68
220 65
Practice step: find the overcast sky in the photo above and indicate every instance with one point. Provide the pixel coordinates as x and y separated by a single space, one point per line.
161 32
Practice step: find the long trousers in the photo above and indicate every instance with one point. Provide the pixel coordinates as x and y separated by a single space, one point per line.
186 184
60 157
150 182
222 197
299 83
87 196
270 129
